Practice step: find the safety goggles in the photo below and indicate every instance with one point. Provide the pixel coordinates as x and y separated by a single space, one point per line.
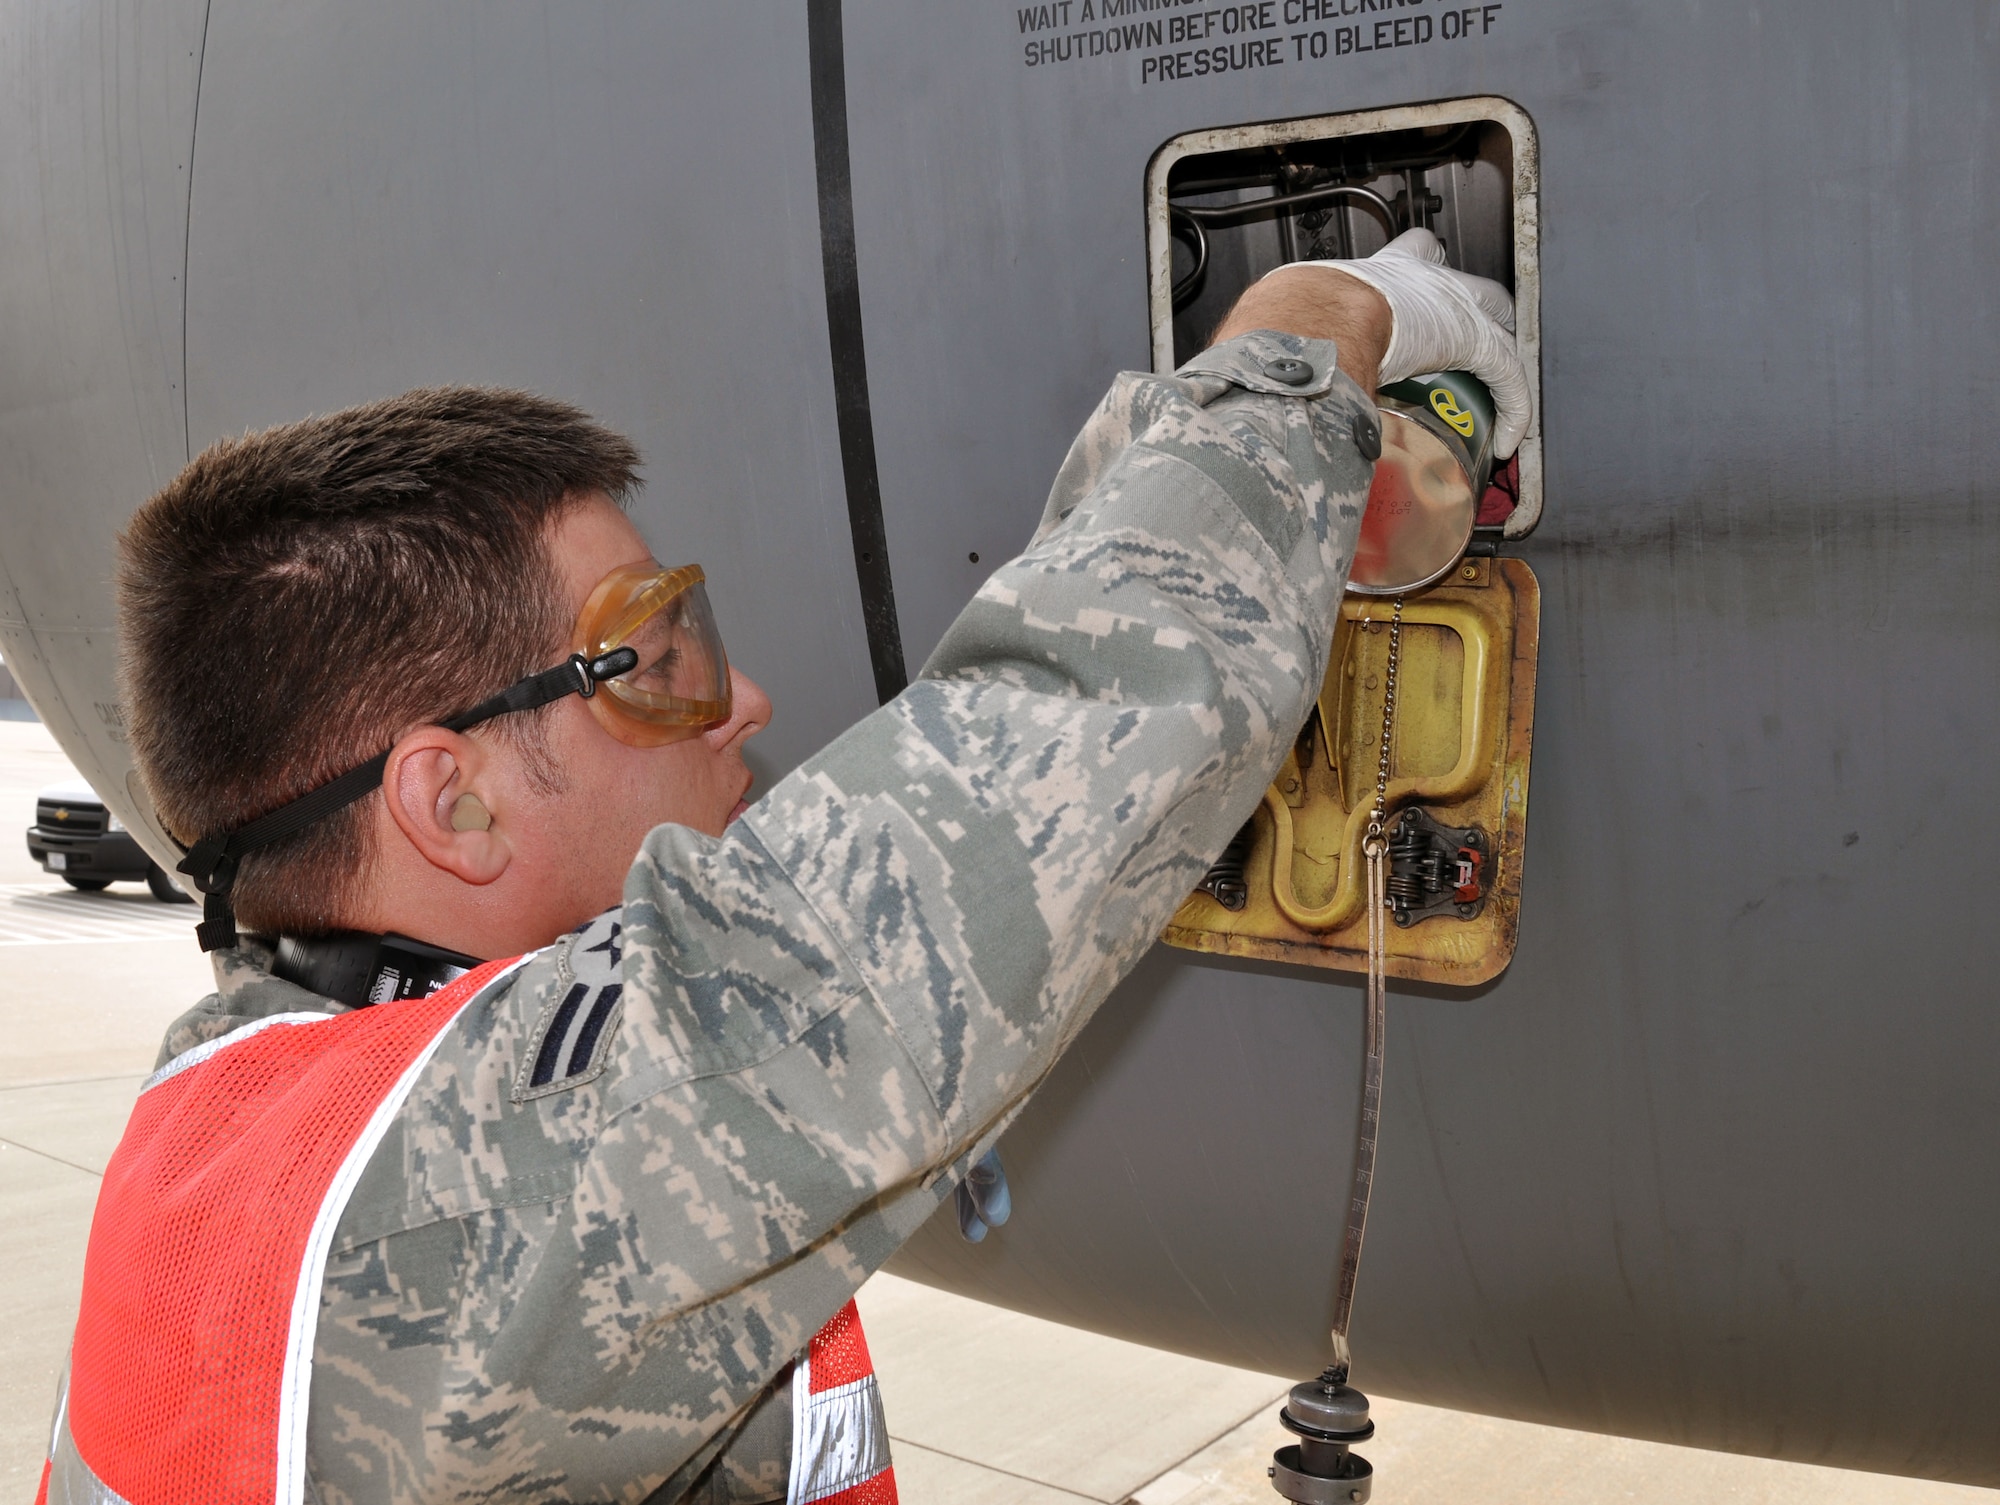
648 661
679 686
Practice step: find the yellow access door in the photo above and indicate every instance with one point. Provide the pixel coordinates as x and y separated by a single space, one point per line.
1458 760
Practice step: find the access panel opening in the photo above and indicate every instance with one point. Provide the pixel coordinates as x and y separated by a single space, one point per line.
1227 205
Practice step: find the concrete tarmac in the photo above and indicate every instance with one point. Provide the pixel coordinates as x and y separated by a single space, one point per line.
986 1407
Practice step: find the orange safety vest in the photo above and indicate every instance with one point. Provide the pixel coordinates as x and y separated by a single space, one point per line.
191 1371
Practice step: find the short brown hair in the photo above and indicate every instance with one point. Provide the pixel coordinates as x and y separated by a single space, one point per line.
295 600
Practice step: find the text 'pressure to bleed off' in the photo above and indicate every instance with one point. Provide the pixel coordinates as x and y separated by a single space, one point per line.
1195 43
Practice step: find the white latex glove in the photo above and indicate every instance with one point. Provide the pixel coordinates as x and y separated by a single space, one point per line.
1447 321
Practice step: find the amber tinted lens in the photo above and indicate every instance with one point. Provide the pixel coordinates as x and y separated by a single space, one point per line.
680 686
680 656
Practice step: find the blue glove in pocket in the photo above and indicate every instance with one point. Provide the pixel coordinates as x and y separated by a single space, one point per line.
983 1199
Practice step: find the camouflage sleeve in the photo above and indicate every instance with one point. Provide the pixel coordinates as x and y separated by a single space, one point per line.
995 849
641 1178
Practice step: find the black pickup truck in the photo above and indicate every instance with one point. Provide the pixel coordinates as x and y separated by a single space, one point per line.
76 838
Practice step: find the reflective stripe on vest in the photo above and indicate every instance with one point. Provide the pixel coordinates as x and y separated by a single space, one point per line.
840 1439
190 1373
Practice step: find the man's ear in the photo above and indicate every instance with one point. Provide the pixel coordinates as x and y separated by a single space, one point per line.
435 791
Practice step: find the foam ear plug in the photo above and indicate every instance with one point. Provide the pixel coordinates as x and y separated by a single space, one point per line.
469 813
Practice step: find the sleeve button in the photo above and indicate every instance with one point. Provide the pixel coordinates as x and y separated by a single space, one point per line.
1367 437
1293 373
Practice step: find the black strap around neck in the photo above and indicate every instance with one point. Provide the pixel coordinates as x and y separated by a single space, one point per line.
212 862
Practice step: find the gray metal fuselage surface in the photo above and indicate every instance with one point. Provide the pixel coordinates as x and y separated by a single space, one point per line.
1713 1161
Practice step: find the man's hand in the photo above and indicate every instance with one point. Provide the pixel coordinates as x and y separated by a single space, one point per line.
1440 320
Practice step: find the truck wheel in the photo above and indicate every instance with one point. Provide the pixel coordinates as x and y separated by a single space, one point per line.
88 885
164 888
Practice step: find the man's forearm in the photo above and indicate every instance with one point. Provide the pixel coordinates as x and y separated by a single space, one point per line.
1320 303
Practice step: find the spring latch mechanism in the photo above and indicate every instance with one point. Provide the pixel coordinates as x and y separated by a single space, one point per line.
1436 869
1226 880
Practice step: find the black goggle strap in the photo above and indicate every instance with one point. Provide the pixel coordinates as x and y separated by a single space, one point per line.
212 862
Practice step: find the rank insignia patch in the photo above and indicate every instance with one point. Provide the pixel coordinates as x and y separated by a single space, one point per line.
572 1040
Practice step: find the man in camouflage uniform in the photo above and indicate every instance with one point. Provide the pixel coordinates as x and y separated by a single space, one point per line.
589 1282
